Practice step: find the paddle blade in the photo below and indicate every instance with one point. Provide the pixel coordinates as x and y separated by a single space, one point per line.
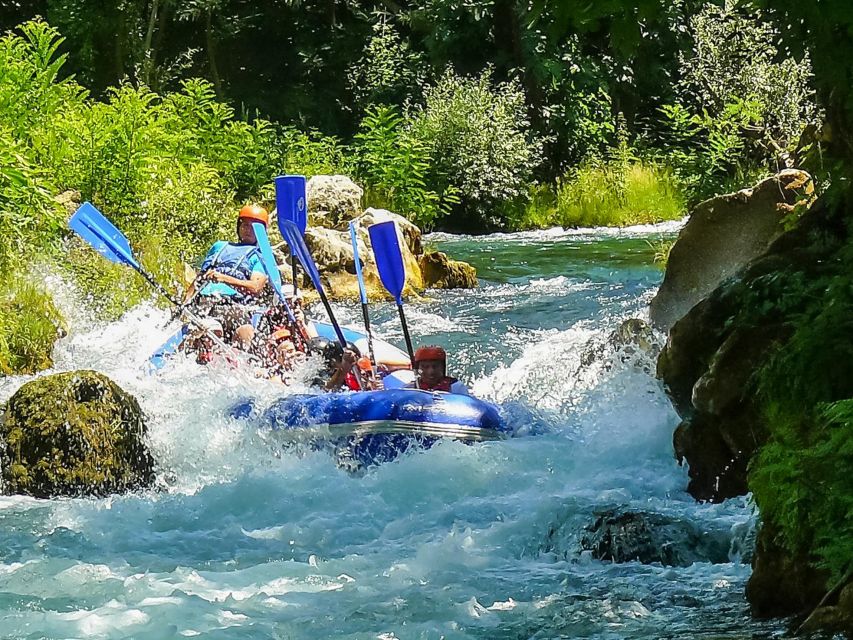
354 239
290 201
91 225
291 233
267 257
389 259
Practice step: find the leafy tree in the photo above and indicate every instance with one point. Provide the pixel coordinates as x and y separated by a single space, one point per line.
476 134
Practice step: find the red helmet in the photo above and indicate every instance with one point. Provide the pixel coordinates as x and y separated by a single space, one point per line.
431 352
254 212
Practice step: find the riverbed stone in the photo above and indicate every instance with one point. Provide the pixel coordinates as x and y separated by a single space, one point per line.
72 434
722 235
619 535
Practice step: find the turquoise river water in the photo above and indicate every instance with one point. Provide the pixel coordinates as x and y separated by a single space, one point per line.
245 539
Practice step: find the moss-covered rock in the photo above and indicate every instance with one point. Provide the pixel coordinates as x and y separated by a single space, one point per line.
75 433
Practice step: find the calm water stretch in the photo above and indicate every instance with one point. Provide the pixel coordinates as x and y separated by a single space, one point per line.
246 540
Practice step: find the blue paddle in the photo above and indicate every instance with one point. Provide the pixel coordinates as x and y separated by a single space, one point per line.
91 225
389 262
270 266
291 233
362 292
291 204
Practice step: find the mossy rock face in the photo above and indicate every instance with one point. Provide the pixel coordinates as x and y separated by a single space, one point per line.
73 434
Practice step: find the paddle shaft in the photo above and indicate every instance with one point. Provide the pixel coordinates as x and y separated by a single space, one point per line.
406 334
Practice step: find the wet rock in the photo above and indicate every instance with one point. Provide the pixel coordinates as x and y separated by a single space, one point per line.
72 434
723 235
712 354
837 618
332 201
440 272
635 536
782 584
633 340
410 232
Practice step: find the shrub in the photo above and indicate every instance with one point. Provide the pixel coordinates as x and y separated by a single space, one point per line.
29 326
475 135
801 478
387 70
393 166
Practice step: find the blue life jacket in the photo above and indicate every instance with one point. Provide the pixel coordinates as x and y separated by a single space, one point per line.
233 260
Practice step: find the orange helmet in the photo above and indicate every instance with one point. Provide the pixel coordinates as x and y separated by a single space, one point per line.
254 212
430 353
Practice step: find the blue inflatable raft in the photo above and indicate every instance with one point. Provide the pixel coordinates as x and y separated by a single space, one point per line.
371 427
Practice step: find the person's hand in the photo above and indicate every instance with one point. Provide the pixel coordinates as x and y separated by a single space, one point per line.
348 360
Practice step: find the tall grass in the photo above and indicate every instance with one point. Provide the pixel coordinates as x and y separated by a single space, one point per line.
616 193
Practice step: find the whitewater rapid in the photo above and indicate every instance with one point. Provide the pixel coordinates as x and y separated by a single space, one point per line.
243 538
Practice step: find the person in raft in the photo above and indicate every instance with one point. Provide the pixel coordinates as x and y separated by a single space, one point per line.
431 372
234 279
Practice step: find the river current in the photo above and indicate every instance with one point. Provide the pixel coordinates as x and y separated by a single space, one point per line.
245 539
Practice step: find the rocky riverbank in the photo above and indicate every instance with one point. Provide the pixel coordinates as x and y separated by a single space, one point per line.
760 368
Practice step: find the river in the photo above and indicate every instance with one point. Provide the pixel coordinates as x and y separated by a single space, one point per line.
244 539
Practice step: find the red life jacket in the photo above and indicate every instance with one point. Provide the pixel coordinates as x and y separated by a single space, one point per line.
442 385
352 382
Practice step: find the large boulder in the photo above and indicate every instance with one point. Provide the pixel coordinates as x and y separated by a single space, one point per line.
712 354
409 231
782 584
440 272
73 434
333 254
722 235
332 201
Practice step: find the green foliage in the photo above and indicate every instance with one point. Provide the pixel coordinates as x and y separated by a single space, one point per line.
740 106
476 135
801 478
29 325
394 166
618 192
735 59
388 71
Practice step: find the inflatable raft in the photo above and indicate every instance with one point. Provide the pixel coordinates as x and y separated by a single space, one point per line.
371 427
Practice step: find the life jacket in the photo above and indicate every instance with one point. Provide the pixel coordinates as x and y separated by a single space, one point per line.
442 385
234 260
352 382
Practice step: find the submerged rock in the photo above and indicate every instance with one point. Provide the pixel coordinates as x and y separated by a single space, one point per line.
72 434
636 536
723 234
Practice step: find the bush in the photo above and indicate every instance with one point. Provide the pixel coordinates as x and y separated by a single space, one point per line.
801 478
475 135
739 105
393 166
388 70
29 326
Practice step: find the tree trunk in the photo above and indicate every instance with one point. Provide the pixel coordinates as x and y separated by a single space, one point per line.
211 52
148 61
